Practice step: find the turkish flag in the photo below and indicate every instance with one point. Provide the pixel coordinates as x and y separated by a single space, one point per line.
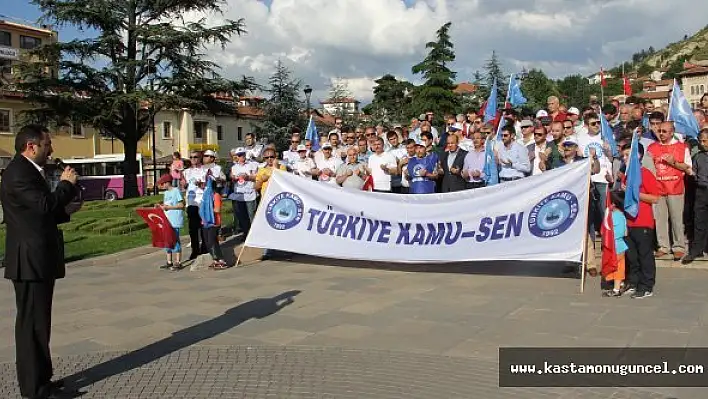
627 87
609 253
368 184
163 235
603 82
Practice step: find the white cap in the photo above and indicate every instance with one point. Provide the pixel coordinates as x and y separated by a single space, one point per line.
574 111
302 147
240 150
541 113
326 145
209 153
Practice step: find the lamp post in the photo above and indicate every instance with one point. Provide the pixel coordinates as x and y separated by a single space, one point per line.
152 70
308 93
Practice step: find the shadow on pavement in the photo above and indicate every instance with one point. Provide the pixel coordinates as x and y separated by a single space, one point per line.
255 309
494 268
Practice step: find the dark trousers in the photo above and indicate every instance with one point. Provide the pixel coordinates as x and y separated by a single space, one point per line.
32 331
475 184
405 190
640 258
195 231
242 215
212 242
700 225
396 189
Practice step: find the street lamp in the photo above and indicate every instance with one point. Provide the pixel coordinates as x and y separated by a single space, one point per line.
308 93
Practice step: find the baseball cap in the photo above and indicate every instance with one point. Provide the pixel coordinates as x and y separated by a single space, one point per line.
569 142
209 153
165 179
301 147
421 117
541 113
326 145
240 150
526 123
574 111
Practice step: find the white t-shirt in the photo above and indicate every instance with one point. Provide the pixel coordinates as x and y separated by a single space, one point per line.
332 164
303 167
536 170
290 157
585 142
216 172
382 180
244 190
193 176
255 152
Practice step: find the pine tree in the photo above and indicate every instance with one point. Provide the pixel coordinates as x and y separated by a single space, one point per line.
436 94
493 69
338 91
282 109
390 102
147 63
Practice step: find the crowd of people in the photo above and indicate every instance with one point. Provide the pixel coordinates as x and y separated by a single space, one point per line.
473 150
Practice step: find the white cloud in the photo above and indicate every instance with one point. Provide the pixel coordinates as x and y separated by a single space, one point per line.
360 40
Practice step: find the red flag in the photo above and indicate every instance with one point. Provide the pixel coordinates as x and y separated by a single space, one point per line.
609 253
603 82
627 86
368 184
163 235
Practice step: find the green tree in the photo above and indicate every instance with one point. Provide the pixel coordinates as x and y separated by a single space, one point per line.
675 68
493 70
537 87
575 90
391 100
283 108
139 63
436 94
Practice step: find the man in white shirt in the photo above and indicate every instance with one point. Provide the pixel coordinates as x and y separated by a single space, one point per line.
593 140
526 138
398 150
193 180
304 166
291 155
254 151
327 165
212 167
338 124
243 197
382 165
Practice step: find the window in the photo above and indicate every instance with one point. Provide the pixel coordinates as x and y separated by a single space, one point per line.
693 90
200 130
29 42
114 168
219 132
239 133
166 130
5 38
77 130
703 89
5 121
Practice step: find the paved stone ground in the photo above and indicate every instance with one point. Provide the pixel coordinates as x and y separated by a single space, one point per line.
313 328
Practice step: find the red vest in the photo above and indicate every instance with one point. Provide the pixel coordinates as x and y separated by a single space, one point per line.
670 179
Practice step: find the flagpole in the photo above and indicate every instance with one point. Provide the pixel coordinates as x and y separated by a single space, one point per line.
671 99
584 264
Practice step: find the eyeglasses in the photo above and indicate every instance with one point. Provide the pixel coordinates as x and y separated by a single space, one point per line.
567 127
369 134
269 157
595 123
506 135
485 131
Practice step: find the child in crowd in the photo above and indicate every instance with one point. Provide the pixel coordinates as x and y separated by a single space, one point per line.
619 228
210 212
172 204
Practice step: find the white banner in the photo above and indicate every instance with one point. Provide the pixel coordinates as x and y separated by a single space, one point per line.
540 218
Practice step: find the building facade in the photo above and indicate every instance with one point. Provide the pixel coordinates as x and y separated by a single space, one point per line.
338 106
694 83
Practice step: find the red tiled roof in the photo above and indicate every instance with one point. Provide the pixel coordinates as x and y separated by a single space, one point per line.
698 70
250 112
465 88
654 95
665 82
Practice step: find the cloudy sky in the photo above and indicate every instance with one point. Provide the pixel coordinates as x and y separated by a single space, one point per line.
360 40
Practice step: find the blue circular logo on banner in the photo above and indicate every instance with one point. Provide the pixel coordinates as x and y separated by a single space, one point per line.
553 215
284 211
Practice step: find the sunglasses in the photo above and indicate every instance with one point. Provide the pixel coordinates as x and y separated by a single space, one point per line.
595 123
567 127
665 131
269 157
295 142
195 157
506 135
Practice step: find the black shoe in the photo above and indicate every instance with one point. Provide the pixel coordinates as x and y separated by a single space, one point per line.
642 294
166 266
688 259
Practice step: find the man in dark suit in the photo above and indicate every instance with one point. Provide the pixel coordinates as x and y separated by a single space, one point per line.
451 163
34 256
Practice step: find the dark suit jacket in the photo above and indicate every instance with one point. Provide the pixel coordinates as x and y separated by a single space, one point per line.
452 182
34 246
